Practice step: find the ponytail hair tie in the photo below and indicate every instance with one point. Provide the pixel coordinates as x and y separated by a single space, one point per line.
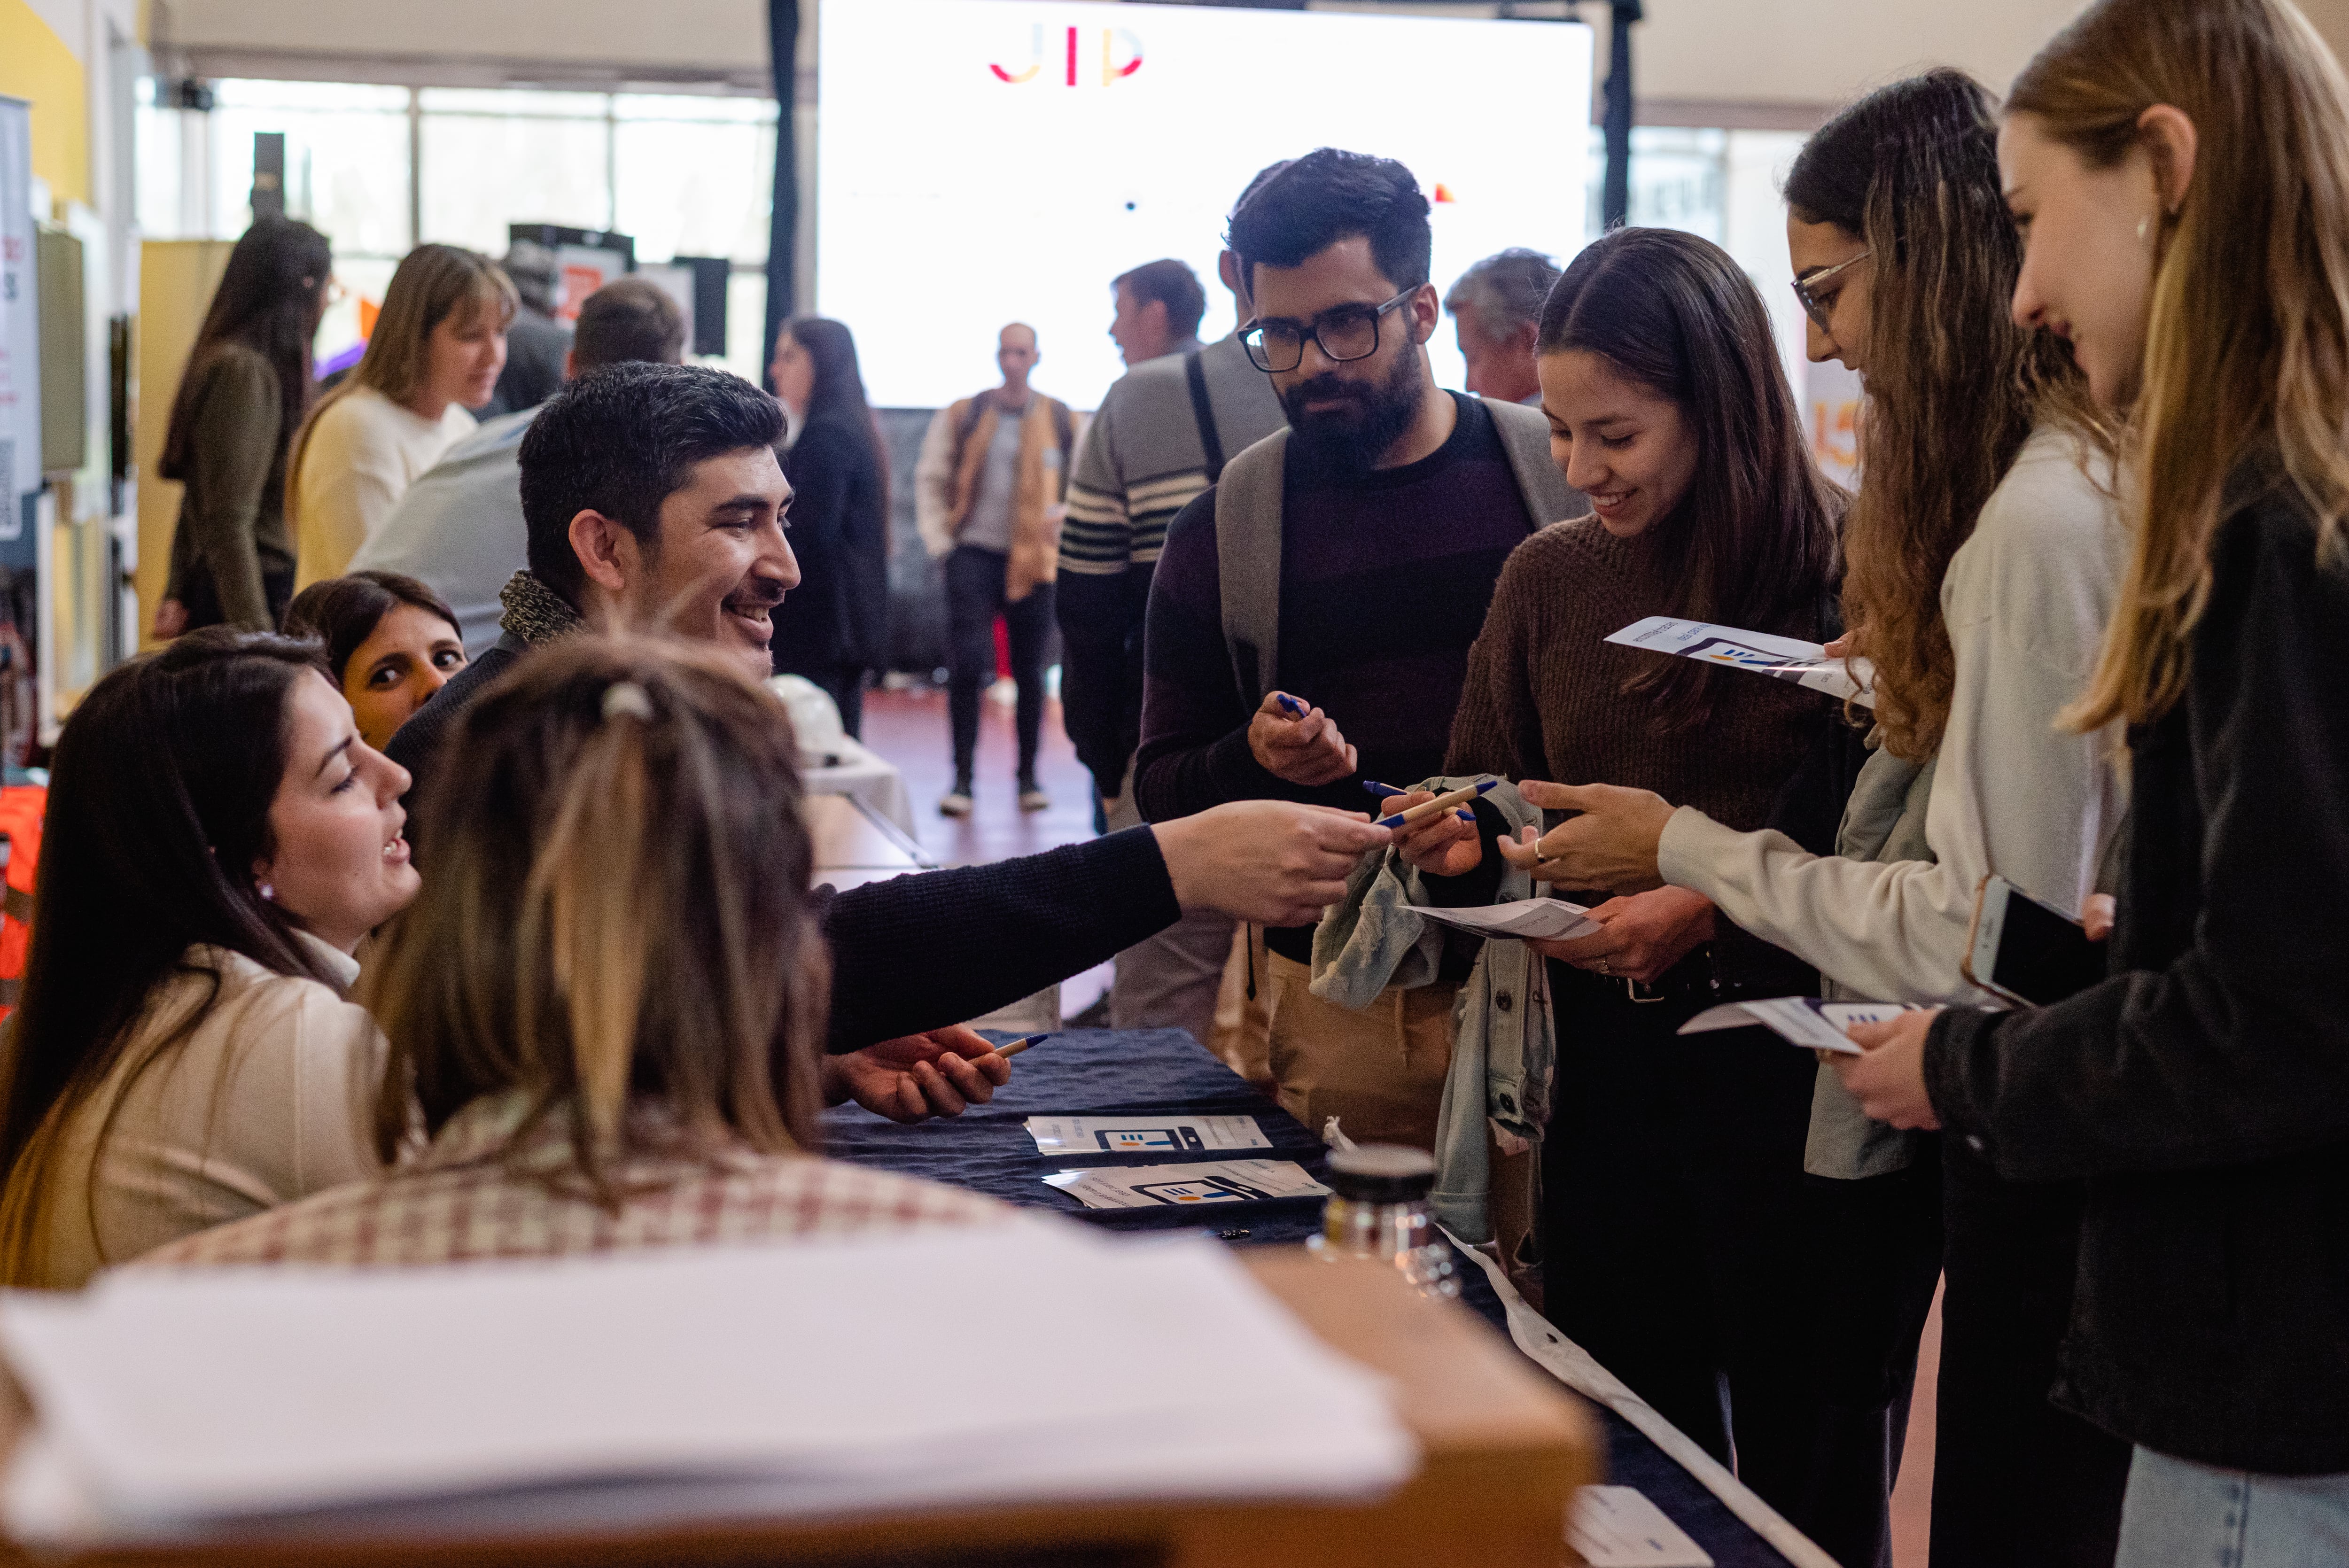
627 698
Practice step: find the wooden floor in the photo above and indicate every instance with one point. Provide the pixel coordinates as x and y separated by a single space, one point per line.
909 728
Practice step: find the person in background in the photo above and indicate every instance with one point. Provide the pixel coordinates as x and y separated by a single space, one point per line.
1675 1239
655 501
839 473
988 491
1156 309
243 394
614 796
538 346
1160 438
1984 551
1322 596
460 526
390 643
2156 155
437 349
1495 309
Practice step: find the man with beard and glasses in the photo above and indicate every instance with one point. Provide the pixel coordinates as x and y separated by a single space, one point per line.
1312 614
652 500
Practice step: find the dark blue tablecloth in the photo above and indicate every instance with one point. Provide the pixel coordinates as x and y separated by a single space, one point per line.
1144 1072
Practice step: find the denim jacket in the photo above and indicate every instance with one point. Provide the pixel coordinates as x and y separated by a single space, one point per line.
1506 1047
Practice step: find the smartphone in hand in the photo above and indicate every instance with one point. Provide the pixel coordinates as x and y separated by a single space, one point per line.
2025 950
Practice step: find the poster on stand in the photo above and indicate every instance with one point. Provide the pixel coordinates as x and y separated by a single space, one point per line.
20 326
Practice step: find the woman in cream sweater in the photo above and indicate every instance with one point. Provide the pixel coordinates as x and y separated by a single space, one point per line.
1985 550
436 351
220 841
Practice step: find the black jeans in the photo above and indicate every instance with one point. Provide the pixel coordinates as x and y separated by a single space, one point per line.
1684 1248
974 598
2015 1479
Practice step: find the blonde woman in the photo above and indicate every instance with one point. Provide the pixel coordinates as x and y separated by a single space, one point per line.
609 1001
2180 172
436 351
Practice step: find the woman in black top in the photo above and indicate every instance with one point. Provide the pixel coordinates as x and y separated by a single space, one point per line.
247 386
837 625
2181 174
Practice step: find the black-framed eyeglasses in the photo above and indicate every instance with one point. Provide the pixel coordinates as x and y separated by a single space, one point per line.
1344 332
1806 289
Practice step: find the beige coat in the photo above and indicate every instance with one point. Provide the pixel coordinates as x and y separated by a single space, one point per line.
946 481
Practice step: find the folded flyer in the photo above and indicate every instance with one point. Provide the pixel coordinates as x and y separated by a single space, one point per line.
1542 919
1143 1134
1781 658
1187 1186
1806 1021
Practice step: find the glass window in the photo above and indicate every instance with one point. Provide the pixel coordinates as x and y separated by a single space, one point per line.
687 188
482 172
696 107
1678 179
346 166
746 324
327 97
506 102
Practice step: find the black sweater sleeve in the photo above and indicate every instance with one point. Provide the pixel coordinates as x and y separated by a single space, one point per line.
2223 1036
922 951
1101 616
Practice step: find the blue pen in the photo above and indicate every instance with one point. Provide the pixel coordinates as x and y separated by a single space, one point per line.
1372 787
1290 705
1426 808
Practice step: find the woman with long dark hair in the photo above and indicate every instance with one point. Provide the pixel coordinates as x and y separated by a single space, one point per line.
1671 1219
243 394
836 626
219 841
1984 553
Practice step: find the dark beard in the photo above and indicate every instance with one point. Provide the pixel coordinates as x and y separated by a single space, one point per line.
1376 414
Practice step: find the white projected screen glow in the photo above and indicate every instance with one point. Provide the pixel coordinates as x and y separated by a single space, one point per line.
984 161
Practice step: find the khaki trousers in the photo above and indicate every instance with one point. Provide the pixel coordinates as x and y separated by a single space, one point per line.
1379 1071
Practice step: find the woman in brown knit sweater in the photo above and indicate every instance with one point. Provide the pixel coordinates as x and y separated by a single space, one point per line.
1672 1232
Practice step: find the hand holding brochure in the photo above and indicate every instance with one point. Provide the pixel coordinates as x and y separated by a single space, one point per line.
1782 658
1540 919
1806 1021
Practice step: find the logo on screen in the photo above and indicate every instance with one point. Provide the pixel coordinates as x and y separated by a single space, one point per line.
1121 55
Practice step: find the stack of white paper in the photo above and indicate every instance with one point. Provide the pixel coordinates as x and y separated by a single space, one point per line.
1804 1020
1168 1134
749 1382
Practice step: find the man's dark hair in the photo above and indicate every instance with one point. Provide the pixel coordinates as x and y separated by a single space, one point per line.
1172 284
628 319
1326 196
621 440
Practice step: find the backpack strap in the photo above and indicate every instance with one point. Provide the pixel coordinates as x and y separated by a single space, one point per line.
1525 437
1248 562
1204 411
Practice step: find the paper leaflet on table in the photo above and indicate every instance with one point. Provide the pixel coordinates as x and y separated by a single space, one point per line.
1618 1527
1187 1186
1782 658
1143 1134
1806 1021
1540 919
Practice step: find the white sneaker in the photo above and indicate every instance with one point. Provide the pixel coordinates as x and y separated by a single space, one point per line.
954 803
1034 799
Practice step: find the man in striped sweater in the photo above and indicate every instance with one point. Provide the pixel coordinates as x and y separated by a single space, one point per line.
1160 438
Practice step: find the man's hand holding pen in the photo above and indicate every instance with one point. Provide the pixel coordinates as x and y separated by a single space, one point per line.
1300 743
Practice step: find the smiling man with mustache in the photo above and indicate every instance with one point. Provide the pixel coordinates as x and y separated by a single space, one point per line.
654 502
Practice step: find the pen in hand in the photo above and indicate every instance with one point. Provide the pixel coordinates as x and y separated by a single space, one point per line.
1013 1047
